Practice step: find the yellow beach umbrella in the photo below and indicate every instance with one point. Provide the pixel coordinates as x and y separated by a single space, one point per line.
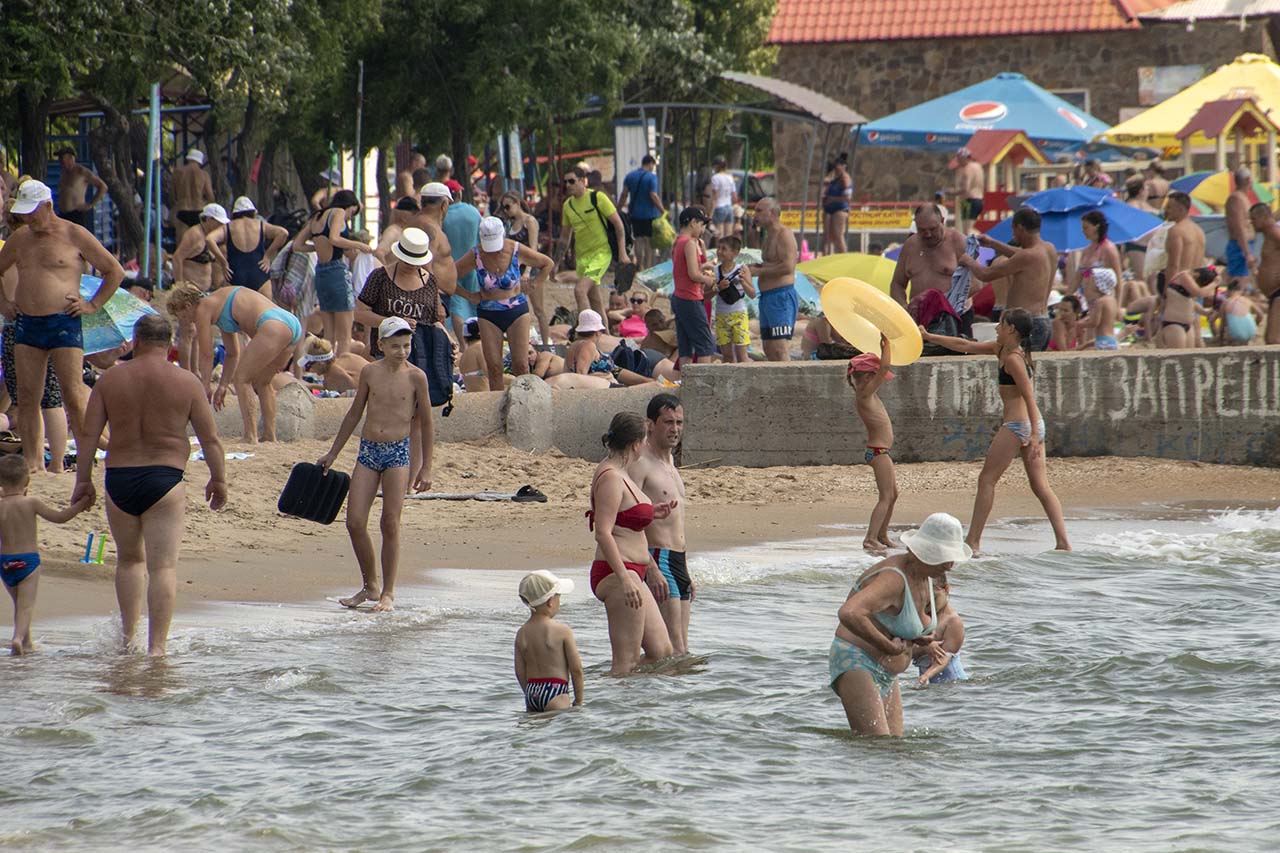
1251 75
872 269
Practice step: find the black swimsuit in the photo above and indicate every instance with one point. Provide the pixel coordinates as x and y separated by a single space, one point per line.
136 490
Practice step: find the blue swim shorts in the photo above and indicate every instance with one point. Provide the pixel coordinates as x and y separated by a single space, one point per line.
778 311
675 569
1237 263
50 331
381 455
846 657
15 568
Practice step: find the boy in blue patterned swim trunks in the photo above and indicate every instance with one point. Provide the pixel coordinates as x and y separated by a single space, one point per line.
20 562
395 391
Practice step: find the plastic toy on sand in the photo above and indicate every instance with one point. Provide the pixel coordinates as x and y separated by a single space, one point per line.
861 313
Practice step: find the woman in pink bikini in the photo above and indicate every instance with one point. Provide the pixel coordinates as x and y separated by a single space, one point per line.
619 514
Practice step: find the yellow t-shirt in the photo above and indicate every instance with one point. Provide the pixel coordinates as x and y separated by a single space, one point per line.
589 237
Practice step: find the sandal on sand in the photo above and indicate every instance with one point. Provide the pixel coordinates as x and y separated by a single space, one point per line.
528 494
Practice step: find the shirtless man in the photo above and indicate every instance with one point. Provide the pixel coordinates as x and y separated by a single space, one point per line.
776 275
1184 246
969 189
928 257
50 254
404 178
654 471
1157 184
1240 260
1030 268
430 218
192 190
73 186
1264 222
402 214
149 404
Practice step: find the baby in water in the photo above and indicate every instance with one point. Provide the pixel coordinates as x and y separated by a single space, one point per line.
949 636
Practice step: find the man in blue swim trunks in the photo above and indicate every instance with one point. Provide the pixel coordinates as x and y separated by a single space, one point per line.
655 472
149 404
776 274
1240 261
50 255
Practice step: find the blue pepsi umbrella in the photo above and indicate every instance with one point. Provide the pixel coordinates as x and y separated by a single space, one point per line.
113 324
1062 227
1005 102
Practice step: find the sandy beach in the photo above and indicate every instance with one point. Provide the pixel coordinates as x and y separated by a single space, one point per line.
250 552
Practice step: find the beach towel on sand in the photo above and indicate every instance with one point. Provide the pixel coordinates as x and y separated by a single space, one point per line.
526 494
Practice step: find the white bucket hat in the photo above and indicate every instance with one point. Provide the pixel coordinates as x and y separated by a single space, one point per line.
939 540
195 155
492 234
537 587
589 321
243 203
216 212
413 247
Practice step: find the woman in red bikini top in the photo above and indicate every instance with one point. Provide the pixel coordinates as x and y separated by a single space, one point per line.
618 516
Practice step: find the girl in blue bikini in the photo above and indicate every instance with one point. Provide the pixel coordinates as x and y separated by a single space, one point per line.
1022 430
503 308
272 333
890 612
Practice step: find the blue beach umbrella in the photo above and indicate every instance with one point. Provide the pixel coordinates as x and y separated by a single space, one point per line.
1062 227
113 325
1005 102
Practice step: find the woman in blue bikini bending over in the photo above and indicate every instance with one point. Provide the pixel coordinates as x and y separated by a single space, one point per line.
503 309
1022 431
884 623
272 333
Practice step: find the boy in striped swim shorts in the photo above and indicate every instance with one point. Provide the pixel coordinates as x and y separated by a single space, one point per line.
546 655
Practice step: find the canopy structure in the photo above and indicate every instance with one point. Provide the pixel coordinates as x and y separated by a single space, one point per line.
1251 76
1208 10
1239 118
1005 102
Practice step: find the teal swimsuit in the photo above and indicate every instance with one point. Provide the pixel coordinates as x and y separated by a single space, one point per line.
227 322
905 624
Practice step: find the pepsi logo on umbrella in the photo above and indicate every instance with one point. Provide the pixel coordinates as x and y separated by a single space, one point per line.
983 111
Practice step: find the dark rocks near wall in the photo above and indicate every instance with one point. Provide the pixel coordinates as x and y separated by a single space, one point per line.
880 78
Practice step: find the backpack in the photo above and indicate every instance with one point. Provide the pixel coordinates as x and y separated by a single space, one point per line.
628 356
608 229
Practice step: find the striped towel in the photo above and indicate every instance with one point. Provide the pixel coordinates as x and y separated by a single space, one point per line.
958 296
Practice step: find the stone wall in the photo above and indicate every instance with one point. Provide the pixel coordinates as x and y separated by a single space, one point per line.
1219 405
880 78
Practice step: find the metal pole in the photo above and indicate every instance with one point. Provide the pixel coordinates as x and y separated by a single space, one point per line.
826 144
153 146
808 170
662 164
359 153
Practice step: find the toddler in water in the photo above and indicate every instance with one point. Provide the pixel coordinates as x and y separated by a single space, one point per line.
944 665
546 655
20 561
866 374
733 283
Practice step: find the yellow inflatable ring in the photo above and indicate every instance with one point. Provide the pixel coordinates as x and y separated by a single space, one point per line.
861 313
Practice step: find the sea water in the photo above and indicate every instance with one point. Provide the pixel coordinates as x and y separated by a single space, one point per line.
1122 698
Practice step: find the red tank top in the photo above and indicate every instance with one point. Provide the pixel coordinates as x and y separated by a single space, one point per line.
635 518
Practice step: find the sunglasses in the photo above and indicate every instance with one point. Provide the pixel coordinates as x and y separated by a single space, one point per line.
637 301
569 181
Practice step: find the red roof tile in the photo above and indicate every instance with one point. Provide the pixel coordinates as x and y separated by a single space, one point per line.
801 21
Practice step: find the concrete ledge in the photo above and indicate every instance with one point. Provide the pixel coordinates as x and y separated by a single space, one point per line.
1217 405
579 418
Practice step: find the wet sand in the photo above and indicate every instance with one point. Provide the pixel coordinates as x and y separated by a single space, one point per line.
249 552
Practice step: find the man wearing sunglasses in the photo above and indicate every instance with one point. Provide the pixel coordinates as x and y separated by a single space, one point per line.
583 220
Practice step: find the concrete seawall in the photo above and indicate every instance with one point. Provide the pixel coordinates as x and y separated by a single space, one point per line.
1217 405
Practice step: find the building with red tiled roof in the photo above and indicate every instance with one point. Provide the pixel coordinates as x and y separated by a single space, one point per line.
881 56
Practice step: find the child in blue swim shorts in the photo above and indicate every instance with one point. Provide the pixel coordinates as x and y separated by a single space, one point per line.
20 562
395 392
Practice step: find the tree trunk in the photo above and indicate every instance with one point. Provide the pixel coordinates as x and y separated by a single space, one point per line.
309 165
110 144
461 171
246 146
266 177
33 122
384 190
213 154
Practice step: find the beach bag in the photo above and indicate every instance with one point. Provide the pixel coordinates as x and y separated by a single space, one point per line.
289 273
628 356
433 353
1157 257
608 229
664 234
313 493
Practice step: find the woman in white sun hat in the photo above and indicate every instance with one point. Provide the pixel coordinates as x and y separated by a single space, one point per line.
503 307
885 621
